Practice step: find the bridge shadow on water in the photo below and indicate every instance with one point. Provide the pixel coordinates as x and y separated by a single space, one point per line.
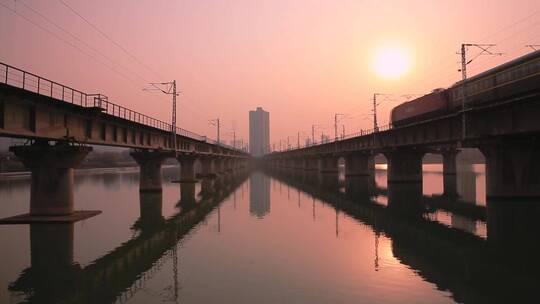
503 267
54 276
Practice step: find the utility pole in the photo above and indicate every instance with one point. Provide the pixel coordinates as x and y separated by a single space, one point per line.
168 88
298 139
312 135
336 125
288 145
484 50
375 127
215 122
343 132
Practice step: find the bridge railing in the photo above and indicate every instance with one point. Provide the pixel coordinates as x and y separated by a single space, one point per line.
30 82
347 136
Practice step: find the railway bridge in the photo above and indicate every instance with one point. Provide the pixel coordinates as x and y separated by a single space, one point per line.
505 130
44 112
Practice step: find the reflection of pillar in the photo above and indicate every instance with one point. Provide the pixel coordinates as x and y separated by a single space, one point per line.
405 198
187 195
187 168
512 170
329 181
51 191
150 178
151 207
207 186
511 228
449 172
358 187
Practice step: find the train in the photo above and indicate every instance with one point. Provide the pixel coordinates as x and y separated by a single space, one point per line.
518 77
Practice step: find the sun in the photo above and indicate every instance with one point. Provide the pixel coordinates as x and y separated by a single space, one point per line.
391 62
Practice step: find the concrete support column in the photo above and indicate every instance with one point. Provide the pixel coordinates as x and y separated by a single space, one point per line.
450 172
358 164
187 168
206 167
218 165
51 190
150 178
512 170
405 166
311 164
328 164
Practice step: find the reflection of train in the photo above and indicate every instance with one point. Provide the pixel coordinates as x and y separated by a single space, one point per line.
516 77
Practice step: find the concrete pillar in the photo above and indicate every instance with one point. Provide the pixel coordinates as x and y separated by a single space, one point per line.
51 190
187 168
218 165
358 164
328 164
311 163
405 166
450 172
207 186
359 187
512 170
206 167
405 181
150 178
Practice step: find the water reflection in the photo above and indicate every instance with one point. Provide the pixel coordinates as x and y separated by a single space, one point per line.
259 195
502 268
54 276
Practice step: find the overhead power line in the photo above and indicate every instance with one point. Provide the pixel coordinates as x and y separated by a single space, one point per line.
109 38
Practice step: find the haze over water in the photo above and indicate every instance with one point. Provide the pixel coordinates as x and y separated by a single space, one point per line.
253 239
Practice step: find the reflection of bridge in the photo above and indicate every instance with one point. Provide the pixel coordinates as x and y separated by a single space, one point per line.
501 269
54 278
42 110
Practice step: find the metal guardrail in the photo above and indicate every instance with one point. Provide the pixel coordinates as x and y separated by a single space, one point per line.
347 136
30 82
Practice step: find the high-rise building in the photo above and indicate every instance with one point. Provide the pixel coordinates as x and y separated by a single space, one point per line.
259 132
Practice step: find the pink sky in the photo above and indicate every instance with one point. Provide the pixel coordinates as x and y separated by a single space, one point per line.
302 61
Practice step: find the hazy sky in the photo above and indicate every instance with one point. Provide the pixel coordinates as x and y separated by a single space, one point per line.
302 61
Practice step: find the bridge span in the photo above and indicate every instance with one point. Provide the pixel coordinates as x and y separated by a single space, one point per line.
44 112
505 129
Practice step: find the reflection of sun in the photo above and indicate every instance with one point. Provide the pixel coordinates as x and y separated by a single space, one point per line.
391 63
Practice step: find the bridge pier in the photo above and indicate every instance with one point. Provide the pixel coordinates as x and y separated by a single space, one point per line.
404 166
187 168
328 164
405 180
512 171
358 164
358 187
206 167
310 164
150 178
51 190
218 165
450 172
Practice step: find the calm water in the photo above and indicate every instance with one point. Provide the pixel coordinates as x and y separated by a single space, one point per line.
288 238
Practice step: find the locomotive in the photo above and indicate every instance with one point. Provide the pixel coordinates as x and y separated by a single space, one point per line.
518 77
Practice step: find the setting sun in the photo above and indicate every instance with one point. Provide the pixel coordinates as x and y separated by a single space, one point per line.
391 63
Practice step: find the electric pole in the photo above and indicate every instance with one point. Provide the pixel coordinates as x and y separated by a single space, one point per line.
298 139
168 88
215 122
484 50
336 125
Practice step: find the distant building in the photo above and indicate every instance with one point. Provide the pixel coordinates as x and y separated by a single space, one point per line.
259 132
